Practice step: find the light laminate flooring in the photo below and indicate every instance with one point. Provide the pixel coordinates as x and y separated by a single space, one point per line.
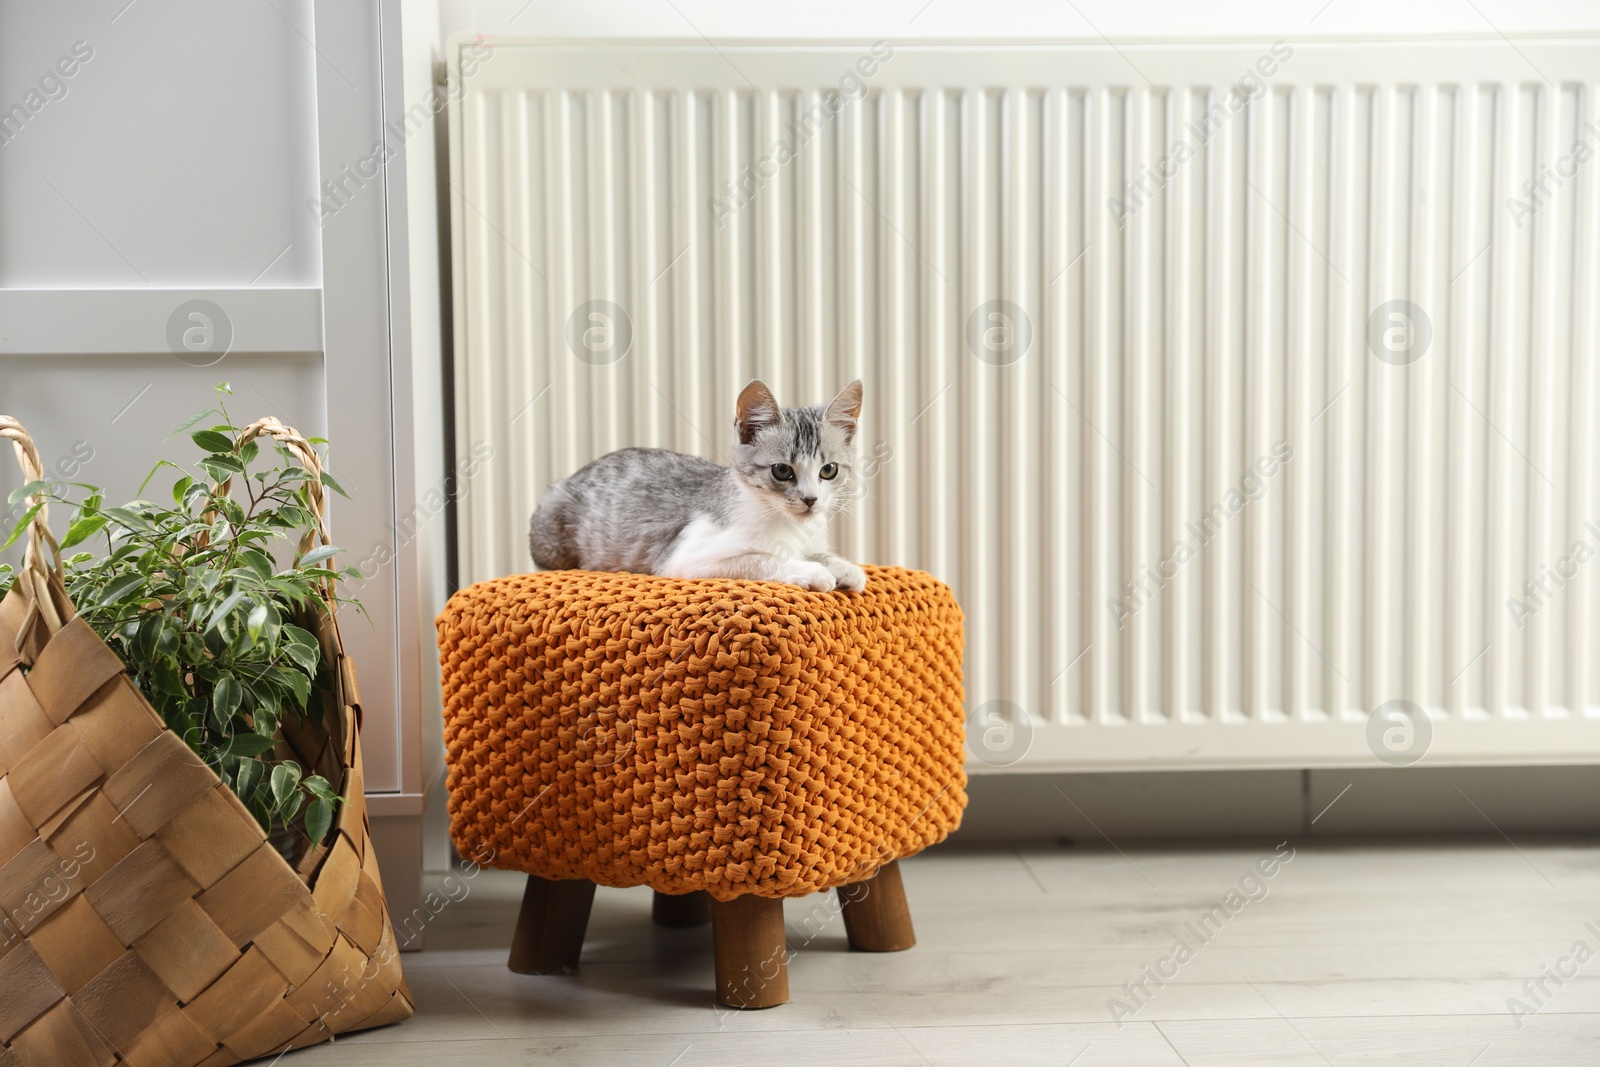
1414 953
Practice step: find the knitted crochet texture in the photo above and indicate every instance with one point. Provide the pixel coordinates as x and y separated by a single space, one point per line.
732 736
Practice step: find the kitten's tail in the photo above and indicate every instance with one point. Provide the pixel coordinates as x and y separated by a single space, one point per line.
549 536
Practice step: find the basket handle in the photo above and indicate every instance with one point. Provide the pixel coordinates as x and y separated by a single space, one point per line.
291 439
36 577
349 702
308 458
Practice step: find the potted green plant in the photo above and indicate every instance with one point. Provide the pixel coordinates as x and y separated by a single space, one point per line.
204 594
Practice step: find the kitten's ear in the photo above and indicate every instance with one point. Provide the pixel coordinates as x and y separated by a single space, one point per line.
757 411
846 409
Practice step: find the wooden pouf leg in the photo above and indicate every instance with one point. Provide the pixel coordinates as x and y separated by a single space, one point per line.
550 927
681 909
752 957
876 918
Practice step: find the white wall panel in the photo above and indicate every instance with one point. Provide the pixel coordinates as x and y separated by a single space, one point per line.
180 152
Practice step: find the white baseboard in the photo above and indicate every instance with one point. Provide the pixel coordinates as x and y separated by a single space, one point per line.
398 839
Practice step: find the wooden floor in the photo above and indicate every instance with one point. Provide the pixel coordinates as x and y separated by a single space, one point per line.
1412 954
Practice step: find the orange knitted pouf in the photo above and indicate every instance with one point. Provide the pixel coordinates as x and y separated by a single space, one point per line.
736 737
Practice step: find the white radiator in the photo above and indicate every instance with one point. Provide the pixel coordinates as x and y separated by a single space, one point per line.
1086 305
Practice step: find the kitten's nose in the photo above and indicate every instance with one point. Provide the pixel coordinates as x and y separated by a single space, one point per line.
808 501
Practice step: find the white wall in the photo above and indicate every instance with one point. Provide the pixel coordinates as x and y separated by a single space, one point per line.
133 177
960 19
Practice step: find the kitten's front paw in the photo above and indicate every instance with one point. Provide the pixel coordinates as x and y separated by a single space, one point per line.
808 575
847 575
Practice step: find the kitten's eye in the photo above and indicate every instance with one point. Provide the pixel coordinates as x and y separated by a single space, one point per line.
829 470
783 472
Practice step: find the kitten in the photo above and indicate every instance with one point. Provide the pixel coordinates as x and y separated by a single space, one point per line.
765 517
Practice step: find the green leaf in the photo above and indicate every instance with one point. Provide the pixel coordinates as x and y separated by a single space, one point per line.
167 680
221 468
320 573
226 698
22 492
144 643
212 441
285 780
293 592
83 529
317 555
257 621
191 420
261 810
22 524
249 746
248 452
319 786
302 687
156 470
231 601
258 561
319 819
129 519
249 776
301 647
297 517
119 588
167 636
266 715
327 480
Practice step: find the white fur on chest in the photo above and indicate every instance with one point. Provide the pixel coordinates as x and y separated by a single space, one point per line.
751 529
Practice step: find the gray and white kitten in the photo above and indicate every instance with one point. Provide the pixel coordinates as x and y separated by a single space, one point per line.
764 517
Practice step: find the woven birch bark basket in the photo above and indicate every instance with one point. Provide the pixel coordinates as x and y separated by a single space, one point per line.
147 921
